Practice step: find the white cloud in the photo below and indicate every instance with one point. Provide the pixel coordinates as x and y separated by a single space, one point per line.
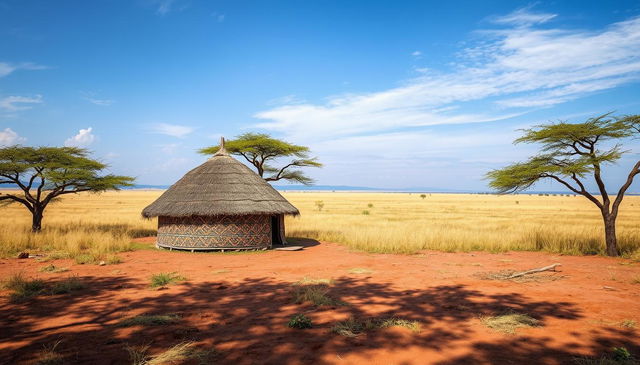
510 71
9 68
9 138
416 53
83 139
16 103
524 17
93 99
173 130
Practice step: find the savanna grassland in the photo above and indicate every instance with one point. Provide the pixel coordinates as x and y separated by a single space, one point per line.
94 226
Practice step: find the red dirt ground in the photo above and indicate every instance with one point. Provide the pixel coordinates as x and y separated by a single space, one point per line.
240 304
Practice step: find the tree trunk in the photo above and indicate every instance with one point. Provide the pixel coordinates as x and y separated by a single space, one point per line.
36 222
610 235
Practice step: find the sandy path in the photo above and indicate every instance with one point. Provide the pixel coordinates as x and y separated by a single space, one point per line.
240 304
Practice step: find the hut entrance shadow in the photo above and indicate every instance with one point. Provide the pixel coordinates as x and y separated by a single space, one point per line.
301 241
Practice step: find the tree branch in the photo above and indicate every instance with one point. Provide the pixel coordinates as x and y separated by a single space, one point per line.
572 188
623 189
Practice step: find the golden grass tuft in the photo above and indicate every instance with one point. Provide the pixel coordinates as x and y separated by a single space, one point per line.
509 323
149 320
353 327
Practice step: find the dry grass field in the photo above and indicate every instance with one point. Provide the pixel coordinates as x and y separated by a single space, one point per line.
94 226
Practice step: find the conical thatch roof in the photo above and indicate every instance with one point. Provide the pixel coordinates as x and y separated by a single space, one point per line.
220 186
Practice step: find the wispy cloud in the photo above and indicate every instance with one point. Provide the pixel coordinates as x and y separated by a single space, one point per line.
9 138
523 17
83 139
93 99
173 130
15 103
9 68
416 53
509 70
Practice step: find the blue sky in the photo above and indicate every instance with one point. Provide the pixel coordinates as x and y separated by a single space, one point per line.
387 94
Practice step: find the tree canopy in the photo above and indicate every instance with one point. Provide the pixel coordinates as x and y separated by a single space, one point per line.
262 151
569 154
45 173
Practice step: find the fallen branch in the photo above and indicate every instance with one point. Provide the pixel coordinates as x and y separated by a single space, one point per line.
533 271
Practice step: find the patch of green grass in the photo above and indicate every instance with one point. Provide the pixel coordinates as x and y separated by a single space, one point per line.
113 260
300 321
49 355
52 256
85 258
163 279
67 286
360 270
316 294
53 269
509 323
149 320
22 288
617 356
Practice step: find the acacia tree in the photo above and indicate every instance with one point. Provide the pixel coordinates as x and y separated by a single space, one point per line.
570 154
45 173
261 150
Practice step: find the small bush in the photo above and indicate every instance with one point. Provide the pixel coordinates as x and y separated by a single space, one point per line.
414 326
353 327
53 269
350 327
509 323
316 294
138 354
300 321
49 355
84 258
423 196
149 320
370 205
319 205
365 212
163 279
67 286
113 260
621 354
22 288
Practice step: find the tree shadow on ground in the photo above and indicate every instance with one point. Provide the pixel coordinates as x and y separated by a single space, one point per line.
247 321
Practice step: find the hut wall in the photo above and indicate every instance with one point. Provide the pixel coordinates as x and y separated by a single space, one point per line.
282 232
247 231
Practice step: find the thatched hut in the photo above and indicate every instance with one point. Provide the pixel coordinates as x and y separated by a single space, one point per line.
221 204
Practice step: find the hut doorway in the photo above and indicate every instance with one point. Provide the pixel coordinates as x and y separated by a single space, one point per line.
275 230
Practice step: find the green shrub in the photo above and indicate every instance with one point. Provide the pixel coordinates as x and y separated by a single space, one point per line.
163 279
300 321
